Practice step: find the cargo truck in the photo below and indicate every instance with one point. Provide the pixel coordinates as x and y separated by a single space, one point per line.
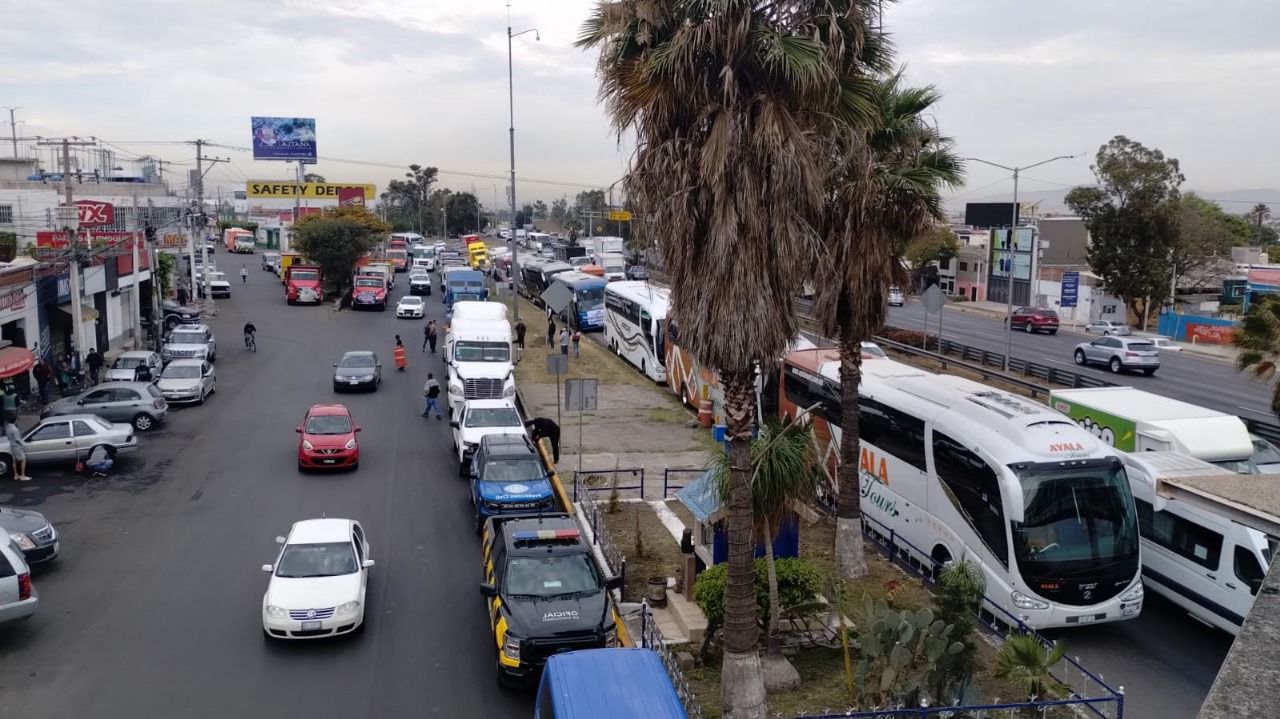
236 239
1132 420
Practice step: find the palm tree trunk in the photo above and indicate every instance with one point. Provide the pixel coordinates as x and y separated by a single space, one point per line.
741 678
851 562
774 645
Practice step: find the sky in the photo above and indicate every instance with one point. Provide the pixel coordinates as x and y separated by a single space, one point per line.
394 82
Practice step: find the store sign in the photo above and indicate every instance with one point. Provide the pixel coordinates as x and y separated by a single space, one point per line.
15 300
93 213
173 239
276 190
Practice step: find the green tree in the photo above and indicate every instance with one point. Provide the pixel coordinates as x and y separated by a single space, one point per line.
559 211
1132 216
885 176
313 177
407 199
1206 235
524 216
463 212
1025 661
930 248
727 164
539 210
167 265
1259 342
336 239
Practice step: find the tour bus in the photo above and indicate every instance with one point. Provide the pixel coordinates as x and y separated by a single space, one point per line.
409 239
585 311
961 470
536 274
1202 561
634 317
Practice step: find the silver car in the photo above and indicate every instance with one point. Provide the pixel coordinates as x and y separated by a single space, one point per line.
18 599
138 403
190 342
187 380
1107 328
136 366
31 532
1120 354
71 438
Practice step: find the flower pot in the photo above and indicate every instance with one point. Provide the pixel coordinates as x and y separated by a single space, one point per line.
656 591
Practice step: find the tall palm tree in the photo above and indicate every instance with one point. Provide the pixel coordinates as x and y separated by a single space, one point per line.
885 188
785 472
723 97
1259 341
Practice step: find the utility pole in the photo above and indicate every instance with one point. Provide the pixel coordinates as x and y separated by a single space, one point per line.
73 242
13 130
511 134
135 296
200 217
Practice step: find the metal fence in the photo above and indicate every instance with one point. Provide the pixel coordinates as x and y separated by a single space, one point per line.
651 638
633 472
671 475
592 514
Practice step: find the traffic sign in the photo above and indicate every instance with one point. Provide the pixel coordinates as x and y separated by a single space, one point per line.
557 364
620 215
580 394
932 299
557 297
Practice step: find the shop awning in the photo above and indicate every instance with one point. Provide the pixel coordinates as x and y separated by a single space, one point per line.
87 313
15 361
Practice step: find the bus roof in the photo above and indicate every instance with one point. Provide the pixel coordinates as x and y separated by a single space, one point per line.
548 267
655 299
617 683
1136 404
579 280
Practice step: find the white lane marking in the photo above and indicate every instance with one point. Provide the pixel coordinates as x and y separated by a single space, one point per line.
1268 415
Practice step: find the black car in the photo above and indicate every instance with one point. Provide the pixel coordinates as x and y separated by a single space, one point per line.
637 272
31 532
176 314
357 370
420 284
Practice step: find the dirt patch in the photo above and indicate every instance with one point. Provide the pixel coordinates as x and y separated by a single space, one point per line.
657 554
595 360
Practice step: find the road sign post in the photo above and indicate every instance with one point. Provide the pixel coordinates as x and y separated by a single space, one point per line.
580 394
557 365
931 298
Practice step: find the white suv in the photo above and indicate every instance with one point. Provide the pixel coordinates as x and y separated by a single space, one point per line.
480 417
18 598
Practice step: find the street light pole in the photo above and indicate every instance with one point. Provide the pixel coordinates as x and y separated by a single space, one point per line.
1013 231
511 136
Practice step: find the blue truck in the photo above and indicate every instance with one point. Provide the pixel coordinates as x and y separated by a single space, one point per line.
464 285
617 683
508 477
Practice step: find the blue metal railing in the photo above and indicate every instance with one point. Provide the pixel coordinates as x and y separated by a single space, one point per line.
668 486
578 476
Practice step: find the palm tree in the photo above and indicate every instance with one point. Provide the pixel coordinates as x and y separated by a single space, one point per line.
1025 661
1259 341
886 186
724 98
785 472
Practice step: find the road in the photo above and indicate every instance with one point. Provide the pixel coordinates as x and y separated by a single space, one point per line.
1200 380
153 610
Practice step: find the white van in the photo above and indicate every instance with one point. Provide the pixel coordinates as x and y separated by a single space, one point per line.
1202 561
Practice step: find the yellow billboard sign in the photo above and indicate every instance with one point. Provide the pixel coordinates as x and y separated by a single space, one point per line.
620 215
276 190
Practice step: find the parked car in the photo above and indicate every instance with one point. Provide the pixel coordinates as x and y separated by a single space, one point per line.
219 285
480 417
176 314
318 582
896 299
637 272
189 342
135 366
31 533
18 599
1164 344
68 438
1107 327
328 439
137 403
1035 319
360 369
410 307
1120 354
187 380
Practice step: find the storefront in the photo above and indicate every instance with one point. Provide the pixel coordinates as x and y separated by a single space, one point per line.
19 318
58 334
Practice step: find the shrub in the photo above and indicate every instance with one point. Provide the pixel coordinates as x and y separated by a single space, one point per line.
798 583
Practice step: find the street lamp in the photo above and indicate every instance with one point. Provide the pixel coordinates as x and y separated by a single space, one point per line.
1013 229
511 133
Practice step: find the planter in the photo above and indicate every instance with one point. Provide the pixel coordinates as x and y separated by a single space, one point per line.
656 591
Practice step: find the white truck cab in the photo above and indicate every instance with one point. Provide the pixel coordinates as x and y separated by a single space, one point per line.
479 354
480 417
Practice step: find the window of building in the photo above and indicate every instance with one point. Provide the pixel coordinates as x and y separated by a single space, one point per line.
944 264
1180 536
974 487
6 214
964 266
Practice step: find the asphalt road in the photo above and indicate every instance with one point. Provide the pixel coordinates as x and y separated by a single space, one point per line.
1200 380
153 610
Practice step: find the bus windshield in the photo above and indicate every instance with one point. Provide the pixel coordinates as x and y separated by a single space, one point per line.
591 298
1078 543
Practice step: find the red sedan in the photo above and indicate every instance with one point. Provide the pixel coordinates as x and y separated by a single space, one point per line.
328 439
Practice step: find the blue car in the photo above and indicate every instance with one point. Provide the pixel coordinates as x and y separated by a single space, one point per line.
508 477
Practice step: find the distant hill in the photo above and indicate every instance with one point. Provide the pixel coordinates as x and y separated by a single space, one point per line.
1051 201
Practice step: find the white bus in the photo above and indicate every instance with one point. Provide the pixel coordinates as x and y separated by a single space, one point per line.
958 469
635 315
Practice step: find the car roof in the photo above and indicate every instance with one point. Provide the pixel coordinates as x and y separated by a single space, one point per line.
358 353
412 298
507 444
200 327
315 531
1135 340
179 363
136 353
329 410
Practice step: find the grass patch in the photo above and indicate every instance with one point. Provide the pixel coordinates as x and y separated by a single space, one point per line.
661 552
596 361
675 414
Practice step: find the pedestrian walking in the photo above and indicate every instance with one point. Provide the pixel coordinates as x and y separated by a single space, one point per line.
564 341
577 339
17 450
431 390
402 360
433 335
426 334
551 332
520 330
43 375
540 427
244 275
94 360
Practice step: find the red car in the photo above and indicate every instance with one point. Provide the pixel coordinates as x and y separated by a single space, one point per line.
1035 319
328 439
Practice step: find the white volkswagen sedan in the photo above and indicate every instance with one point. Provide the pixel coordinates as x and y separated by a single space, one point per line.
410 306
318 583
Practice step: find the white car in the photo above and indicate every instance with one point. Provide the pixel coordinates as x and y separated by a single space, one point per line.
1164 344
187 380
189 342
318 582
410 306
219 285
18 599
895 297
480 417
1107 328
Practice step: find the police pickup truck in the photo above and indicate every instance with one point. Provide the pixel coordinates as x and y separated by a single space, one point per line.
545 593
507 477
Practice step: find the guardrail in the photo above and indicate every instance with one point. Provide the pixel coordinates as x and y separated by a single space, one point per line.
591 514
651 638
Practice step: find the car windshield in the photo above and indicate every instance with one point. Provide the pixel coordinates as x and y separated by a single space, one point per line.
551 576
411 301
370 282
493 417
216 276
513 470
181 371
482 352
301 561
328 424
357 361
128 362
304 275
187 338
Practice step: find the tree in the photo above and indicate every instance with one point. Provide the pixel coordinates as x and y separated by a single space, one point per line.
524 216
313 177
1259 341
539 210
463 212
1261 234
785 470
1132 217
407 199
1206 234
885 175
559 211
338 237
934 246
1025 661
723 98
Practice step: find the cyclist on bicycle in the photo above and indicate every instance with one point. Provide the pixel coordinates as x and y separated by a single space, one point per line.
249 331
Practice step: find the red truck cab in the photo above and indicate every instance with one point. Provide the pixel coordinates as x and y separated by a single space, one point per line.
302 284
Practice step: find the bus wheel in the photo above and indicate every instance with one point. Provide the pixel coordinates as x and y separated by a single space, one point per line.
684 395
941 556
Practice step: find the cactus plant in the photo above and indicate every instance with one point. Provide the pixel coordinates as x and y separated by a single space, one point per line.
900 651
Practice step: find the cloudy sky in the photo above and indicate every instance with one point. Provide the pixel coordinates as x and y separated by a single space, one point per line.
393 82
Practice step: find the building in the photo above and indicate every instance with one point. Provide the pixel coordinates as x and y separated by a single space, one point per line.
970 275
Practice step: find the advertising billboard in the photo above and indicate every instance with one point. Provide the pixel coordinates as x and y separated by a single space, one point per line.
277 190
1023 242
350 196
989 214
284 138
1070 289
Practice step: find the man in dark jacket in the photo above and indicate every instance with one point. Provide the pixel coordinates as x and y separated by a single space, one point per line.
94 361
540 427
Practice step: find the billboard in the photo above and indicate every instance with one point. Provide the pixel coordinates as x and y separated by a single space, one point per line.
277 190
1023 242
93 213
284 138
1070 289
989 214
350 196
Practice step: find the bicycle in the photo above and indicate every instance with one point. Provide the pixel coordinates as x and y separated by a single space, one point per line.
250 342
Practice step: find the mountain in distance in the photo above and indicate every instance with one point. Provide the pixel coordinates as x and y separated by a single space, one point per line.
1236 202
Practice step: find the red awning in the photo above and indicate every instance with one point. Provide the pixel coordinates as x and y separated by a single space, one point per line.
15 361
